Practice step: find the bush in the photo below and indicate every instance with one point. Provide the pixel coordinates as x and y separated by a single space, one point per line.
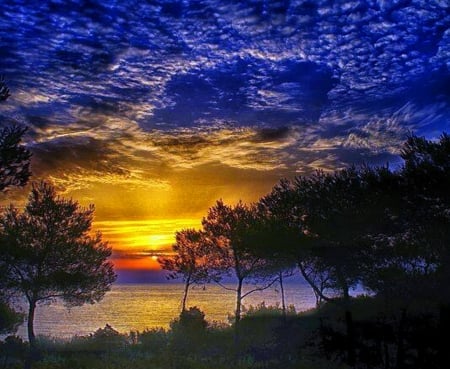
155 340
103 340
12 349
187 333
9 318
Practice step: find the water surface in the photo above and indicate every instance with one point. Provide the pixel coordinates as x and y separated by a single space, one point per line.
139 306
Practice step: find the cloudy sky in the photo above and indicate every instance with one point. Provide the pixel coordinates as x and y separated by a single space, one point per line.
152 110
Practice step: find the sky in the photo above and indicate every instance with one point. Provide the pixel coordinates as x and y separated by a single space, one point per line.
153 110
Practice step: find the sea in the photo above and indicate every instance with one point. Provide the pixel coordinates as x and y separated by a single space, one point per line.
136 307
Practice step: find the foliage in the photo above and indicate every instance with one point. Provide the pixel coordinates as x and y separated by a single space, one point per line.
313 340
228 253
188 261
47 252
14 158
153 340
4 89
9 318
14 171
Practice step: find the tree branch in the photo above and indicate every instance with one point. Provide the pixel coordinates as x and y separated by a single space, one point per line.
260 288
311 283
224 287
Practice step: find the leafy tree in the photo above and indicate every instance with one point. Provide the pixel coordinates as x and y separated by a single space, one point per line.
14 158
227 228
9 319
262 235
284 235
4 89
47 252
188 262
14 171
327 220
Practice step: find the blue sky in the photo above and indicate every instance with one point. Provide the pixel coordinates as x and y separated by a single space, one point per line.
154 109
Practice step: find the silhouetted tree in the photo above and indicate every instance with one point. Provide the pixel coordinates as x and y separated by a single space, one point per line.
409 264
14 171
227 228
9 318
262 235
14 158
188 261
47 252
4 89
327 220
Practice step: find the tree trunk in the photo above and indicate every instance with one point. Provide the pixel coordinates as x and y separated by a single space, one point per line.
186 290
283 302
30 323
351 354
238 302
31 336
444 329
400 342
237 318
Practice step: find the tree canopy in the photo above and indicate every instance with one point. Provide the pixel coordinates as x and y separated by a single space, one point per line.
48 251
188 260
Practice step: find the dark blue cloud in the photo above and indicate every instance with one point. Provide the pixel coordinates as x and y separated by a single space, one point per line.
247 92
336 68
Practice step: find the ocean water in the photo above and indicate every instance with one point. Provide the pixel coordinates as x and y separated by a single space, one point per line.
130 307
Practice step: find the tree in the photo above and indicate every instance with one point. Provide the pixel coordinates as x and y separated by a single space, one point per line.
188 262
14 158
14 171
4 90
259 240
327 220
47 252
285 235
9 319
227 228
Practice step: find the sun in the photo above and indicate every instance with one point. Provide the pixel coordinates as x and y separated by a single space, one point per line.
154 257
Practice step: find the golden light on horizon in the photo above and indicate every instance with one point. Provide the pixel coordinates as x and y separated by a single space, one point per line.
137 244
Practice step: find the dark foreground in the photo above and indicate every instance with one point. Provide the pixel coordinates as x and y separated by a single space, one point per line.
382 337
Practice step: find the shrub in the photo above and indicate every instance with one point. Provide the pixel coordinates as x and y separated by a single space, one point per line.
155 340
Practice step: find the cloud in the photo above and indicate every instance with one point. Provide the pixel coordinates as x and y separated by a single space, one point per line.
161 107
248 91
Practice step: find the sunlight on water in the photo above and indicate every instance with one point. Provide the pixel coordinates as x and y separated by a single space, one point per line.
138 306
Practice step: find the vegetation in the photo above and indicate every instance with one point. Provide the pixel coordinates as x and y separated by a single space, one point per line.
14 172
188 262
310 340
386 231
38 247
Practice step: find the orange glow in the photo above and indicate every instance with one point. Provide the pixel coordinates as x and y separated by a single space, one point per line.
137 244
144 263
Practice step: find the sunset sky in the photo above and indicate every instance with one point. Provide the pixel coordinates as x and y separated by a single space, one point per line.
152 110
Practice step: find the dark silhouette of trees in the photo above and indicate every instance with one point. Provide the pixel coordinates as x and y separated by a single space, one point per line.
263 233
188 261
228 255
326 221
14 171
9 319
14 158
4 89
47 252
